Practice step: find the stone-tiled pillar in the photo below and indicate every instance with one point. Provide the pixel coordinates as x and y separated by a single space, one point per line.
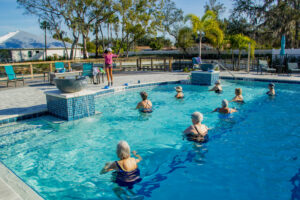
204 77
71 106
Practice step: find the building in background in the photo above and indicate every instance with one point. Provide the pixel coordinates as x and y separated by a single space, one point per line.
22 46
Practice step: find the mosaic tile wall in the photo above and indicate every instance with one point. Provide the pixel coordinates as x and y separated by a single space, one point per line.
72 108
204 78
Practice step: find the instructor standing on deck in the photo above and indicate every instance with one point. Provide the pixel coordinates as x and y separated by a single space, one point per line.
108 55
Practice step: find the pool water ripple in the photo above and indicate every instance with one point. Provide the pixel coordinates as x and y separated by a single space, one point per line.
254 155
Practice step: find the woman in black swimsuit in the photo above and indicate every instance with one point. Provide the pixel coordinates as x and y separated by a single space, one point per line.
197 132
127 171
217 88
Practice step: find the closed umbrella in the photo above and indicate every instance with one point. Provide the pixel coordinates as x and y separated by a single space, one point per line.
282 51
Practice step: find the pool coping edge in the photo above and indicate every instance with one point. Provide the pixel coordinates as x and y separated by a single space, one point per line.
17 184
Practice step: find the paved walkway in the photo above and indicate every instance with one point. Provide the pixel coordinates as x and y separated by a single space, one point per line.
6 193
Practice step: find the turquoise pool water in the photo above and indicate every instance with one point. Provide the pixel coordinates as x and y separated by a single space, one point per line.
255 155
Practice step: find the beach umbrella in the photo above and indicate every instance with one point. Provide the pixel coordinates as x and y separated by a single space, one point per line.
282 51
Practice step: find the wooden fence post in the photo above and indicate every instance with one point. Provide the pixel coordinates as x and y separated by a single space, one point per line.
69 66
151 64
31 71
141 64
137 64
170 64
50 65
165 64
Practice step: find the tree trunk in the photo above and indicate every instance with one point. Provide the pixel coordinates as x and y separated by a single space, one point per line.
102 37
64 43
97 41
240 53
232 59
200 45
297 45
85 55
127 49
45 44
74 44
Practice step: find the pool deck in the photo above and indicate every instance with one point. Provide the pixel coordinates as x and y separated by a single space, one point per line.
31 99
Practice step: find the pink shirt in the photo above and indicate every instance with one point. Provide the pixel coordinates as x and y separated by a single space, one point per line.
108 58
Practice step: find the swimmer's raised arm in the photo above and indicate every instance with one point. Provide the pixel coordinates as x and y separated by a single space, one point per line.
215 110
108 167
138 156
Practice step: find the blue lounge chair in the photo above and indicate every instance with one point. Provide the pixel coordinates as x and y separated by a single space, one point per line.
60 67
87 70
11 76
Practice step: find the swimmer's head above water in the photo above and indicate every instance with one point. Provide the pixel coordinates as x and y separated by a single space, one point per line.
224 103
178 89
123 150
144 95
238 91
197 117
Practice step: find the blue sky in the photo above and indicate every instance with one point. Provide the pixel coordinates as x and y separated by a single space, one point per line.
13 18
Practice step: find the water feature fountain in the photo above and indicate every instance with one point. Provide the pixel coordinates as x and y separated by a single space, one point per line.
207 76
72 101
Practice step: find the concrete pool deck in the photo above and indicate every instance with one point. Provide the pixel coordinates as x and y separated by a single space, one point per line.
31 99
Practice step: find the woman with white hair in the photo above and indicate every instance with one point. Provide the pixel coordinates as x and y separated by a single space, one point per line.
179 94
197 132
225 109
127 169
217 88
108 55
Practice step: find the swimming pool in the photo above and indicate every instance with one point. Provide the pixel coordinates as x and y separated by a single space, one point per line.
255 155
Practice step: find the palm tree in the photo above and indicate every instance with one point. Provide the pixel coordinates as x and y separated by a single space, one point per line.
45 26
203 25
241 42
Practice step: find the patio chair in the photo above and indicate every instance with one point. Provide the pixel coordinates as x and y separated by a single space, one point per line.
60 67
293 67
87 70
11 76
263 65
101 70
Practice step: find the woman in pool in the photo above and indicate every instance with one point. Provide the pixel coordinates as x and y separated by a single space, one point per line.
179 94
238 96
145 105
197 132
217 88
271 91
127 171
225 109
108 55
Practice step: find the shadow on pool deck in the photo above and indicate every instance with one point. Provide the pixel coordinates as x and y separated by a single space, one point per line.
4 113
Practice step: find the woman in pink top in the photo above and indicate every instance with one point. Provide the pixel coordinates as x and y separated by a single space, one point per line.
108 55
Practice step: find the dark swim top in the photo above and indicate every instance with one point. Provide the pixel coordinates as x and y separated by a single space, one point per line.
199 138
180 97
127 179
269 93
218 91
